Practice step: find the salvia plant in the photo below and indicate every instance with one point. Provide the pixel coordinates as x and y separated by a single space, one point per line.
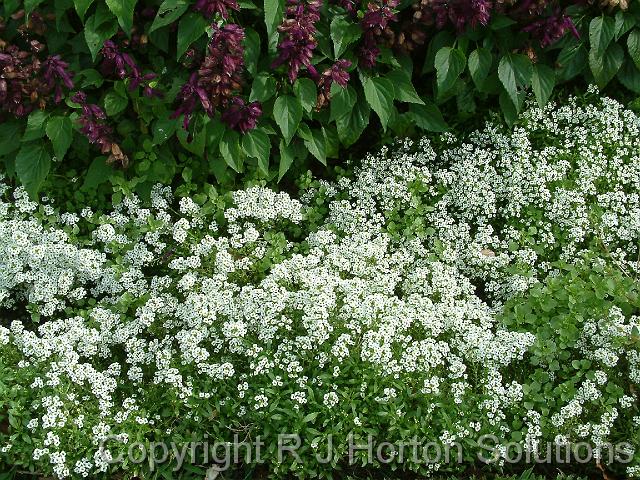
260 87
481 285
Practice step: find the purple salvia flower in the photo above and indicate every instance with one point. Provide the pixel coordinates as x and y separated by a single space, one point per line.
338 74
208 8
549 30
241 116
190 95
122 65
299 29
374 22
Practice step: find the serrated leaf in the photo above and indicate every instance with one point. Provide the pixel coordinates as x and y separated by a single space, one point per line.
32 166
314 140
286 159
287 112
403 88
542 81
35 126
624 22
480 62
60 131
342 102
256 144
263 88
191 27
604 67
514 70
379 93
10 131
350 126
230 150
31 5
97 173
81 7
273 11
306 92
633 44
428 117
449 63
100 26
344 32
169 12
114 103
123 10
629 76
251 50
601 32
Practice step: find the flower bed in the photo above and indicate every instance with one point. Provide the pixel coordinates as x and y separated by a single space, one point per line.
483 286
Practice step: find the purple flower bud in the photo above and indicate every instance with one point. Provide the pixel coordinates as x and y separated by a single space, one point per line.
374 22
208 8
54 68
122 65
240 116
549 30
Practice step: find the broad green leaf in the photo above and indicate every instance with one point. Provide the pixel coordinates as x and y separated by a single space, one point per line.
342 102
514 71
100 26
305 90
287 112
169 12
314 140
123 10
441 39
31 5
379 93
601 32
163 129
263 88
251 50
287 156
191 27
480 62
98 172
114 103
256 144
449 64
428 117
344 32
82 6
403 88
10 132
572 60
633 44
604 67
542 81
273 12
629 76
35 125
32 166
231 151
60 131
624 22
350 126
509 110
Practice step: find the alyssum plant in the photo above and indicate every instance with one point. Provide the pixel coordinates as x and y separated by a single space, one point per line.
495 295
240 85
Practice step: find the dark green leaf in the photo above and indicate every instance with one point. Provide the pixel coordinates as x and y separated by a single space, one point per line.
82 6
633 44
32 166
10 131
273 11
449 64
287 112
342 102
114 103
286 159
60 131
191 27
480 62
624 22
601 32
35 125
169 12
350 126
514 70
428 117
100 26
314 140
542 81
30 5
344 32
305 90
263 88
99 172
256 144
251 50
123 10
604 67
163 129
403 88
231 151
629 76
379 93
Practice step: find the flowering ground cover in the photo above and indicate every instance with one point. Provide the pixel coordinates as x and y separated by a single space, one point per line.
474 295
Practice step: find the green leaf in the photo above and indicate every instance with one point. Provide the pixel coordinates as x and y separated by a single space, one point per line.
624 22
480 62
509 110
287 112
514 70
315 142
344 32
601 32
82 6
604 67
342 102
114 103
449 64
256 144
100 26
99 172
10 131
379 93
30 5
273 11
123 10
231 151
32 166
35 125
403 88
169 12
191 27
305 90
251 50
542 81
60 131
572 60
633 44
263 88
629 76
428 117
163 128
287 156
350 126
